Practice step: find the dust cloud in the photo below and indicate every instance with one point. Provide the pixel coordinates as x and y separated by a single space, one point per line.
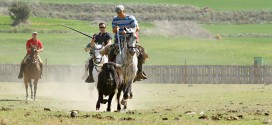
178 28
75 96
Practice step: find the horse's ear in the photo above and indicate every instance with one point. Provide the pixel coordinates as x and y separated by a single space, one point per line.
125 28
119 66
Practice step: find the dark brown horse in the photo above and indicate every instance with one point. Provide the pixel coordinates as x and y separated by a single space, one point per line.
32 71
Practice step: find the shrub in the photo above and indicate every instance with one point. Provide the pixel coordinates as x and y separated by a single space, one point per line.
19 11
218 37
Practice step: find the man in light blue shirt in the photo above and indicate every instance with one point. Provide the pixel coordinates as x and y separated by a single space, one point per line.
119 22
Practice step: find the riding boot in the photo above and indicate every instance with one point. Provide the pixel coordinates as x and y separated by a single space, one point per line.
20 76
90 78
41 74
140 73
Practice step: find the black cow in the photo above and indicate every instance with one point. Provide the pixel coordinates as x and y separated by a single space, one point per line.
109 82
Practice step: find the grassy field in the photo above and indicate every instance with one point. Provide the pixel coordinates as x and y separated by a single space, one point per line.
215 4
151 103
68 49
234 28
63 46
50 25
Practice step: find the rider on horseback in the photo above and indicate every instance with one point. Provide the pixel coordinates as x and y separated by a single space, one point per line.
119 23
102 38
32 42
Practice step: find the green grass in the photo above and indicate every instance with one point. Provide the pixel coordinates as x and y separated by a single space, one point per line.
234 29
215 4
55 25
173 51
150 104
67 48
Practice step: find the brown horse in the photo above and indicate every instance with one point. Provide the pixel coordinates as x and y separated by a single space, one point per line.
32 71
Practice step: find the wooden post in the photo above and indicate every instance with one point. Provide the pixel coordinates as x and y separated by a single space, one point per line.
46 62
185 72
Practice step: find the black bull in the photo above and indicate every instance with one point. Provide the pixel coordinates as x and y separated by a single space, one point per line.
108 83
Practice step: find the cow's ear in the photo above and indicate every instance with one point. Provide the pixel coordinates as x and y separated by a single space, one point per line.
104 66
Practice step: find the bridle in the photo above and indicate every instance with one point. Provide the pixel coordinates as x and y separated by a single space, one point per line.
100 60
126 41
32 56
128 37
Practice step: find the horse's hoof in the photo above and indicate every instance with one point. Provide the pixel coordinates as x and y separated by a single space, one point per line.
124 102
130 96
123 110
35 99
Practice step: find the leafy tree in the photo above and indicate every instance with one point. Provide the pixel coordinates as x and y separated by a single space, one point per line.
19 11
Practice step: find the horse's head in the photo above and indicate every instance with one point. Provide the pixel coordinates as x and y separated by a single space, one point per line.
97 58
33 54
130 42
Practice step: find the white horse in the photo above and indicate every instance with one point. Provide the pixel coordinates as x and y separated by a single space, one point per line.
129 61
98 61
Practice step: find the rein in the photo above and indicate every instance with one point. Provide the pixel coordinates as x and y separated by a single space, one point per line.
97 65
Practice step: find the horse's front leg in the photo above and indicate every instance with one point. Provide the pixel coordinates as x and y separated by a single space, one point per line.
26 88
31 88
125 96
127 90
130 91
35 88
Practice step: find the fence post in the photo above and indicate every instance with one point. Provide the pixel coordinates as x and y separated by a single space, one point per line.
185 73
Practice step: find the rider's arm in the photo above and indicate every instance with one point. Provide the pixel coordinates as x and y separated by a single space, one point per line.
93 40
92 43
28 46
88 47
134 24
40 50
137 28
114 30
40 46
108 42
